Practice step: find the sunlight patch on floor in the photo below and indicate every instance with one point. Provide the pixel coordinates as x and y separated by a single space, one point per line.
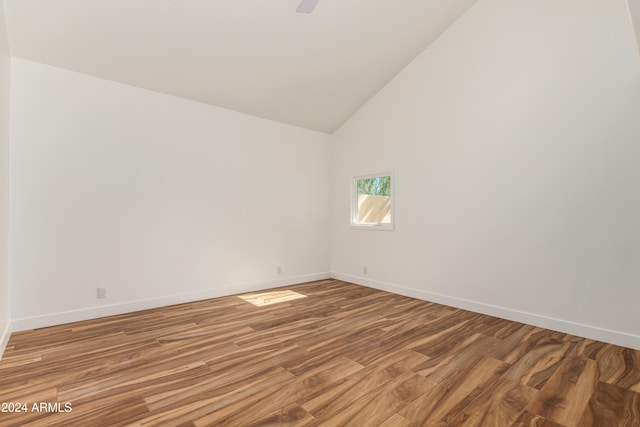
274 297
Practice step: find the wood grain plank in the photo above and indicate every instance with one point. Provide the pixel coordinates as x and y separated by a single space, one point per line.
446 399
341 355
290 416
261 404
619 366
377 406
612 406
499 405
333 401
565 396
397 421
527 419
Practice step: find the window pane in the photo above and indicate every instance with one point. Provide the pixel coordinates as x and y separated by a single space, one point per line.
374 200
377 186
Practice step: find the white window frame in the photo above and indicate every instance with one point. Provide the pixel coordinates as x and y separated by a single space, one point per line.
354 203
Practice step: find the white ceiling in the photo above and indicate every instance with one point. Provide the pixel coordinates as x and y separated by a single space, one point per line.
258 57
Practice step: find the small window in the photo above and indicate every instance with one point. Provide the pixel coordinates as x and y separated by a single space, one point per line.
372 202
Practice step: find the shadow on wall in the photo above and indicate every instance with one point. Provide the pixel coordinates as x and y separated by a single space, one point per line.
634 10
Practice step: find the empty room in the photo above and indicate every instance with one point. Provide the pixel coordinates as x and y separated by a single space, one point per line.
320 213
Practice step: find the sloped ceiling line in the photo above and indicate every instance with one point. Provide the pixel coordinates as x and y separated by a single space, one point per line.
253 56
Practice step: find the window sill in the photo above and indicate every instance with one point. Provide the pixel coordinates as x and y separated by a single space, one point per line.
379 227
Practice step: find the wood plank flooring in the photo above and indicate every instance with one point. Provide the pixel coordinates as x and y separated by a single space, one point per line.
326 353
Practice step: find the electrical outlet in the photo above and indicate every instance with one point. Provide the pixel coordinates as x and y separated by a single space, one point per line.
365 269
101 293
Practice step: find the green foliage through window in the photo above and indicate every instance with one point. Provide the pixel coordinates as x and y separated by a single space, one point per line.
378 186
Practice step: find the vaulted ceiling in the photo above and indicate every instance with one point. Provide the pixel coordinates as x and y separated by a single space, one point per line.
258 57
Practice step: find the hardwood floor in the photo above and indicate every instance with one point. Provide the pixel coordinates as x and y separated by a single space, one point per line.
325 353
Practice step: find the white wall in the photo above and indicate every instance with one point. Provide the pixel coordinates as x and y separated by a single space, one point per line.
515 142
5 84
157 198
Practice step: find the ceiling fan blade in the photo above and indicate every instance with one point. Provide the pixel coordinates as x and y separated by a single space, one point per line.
307 6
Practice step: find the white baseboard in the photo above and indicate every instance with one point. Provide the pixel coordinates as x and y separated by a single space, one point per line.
564 326
582 330
4 339
60 318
